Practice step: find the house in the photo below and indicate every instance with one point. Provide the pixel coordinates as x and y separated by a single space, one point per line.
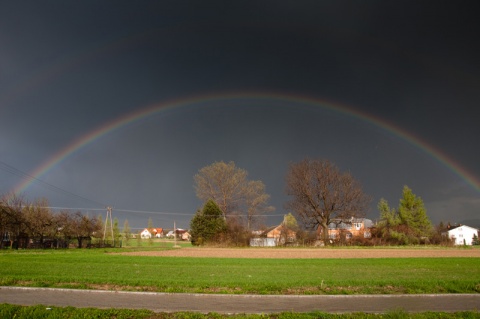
182 234
152 232
347 229
145 234
273 236
157 232
462 234
186 236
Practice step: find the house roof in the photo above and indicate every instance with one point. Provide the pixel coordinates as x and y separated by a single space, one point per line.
153 230
461 226
347 223
269 229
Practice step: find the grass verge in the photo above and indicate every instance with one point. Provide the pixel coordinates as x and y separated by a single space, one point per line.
41 311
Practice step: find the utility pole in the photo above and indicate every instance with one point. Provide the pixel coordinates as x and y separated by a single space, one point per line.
175 234
107 220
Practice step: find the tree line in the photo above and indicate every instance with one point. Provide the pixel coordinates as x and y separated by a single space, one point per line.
25 224
320 195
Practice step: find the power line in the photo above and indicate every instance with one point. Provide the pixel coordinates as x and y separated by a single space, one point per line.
15 171
146 212
150 212
73 208
185 214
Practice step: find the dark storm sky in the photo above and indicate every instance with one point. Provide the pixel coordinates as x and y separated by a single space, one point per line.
68 68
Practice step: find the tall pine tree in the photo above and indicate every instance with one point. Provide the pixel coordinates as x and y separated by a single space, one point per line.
413 214
127 231
406 225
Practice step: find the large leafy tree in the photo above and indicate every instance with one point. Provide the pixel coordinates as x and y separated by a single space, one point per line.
229 187
207 225
321 194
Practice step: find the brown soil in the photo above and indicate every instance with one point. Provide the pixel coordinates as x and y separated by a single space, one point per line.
310 253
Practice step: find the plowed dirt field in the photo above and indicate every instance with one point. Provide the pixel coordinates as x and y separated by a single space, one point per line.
310 253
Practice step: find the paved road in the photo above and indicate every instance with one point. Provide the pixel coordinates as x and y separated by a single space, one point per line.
163 302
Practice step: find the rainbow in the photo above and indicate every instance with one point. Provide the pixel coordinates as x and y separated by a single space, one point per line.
190 102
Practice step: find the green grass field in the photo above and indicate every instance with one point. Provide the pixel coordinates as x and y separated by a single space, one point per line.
20 312
98 269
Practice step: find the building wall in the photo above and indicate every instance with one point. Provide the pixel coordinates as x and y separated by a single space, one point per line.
357 229
263 242
463 235
145 234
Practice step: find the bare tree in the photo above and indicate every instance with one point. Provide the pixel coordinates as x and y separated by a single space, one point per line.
39 220
321 194
5 222
13 219
84 227
228 186
256 201
65 225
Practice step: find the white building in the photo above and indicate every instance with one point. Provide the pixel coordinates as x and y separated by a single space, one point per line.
146 234
462 235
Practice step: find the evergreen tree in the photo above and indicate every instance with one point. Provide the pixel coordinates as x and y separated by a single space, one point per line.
150 229
150 224
139 239
475 240
208 224
389 219
101 226
388 216
288 229
406 225
413 214
290 222
116 231
127 231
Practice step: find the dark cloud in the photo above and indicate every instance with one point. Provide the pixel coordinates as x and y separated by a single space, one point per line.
68 68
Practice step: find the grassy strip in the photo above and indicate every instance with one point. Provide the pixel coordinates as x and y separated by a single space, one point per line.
40 311
95 269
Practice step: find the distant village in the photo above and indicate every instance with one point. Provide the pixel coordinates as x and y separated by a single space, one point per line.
348 232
